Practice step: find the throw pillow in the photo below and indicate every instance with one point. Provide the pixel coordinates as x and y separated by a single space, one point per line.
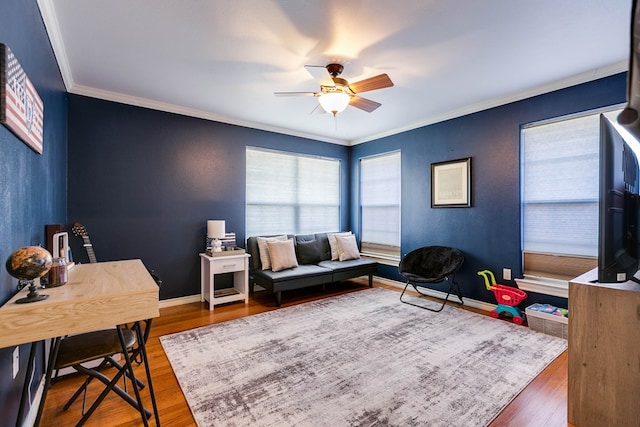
334 245
347 247
309 252
263 249
283 255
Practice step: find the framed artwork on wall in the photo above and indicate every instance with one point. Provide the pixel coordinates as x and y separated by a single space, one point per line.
21 109
451 183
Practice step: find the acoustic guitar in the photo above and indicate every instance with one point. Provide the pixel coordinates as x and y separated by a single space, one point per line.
80 231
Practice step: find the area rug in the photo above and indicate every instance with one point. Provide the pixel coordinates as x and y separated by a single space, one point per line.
360 359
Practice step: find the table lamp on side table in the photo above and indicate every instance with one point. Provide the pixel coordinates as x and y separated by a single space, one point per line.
215 232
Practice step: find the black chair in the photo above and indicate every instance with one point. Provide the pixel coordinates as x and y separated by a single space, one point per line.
430 265
75 350
103 345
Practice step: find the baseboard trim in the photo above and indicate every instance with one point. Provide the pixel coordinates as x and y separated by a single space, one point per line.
179 301
480 305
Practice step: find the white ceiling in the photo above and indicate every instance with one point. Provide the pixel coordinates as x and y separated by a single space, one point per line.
223 59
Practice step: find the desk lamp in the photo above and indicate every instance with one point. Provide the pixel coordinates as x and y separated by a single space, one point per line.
27 264
216 231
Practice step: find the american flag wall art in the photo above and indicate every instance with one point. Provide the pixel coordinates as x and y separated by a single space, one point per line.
21 109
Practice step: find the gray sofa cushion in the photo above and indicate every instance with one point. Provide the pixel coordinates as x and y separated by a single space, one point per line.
352 264
299 272
309 252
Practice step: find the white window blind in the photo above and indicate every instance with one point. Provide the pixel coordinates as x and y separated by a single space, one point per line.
560 187
291 193
380 204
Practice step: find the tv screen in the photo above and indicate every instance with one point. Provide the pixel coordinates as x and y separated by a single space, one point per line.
618 254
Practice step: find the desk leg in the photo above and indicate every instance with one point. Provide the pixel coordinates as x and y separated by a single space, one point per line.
53 355
143 350
27 384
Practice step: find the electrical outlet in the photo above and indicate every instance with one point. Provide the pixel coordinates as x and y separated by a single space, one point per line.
16 362
506 273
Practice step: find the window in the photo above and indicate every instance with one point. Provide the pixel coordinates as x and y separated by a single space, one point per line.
291 193
560 191
380 206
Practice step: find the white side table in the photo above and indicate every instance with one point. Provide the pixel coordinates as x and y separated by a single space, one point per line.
210 266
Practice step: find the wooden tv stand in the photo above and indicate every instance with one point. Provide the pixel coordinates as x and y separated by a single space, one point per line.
604 352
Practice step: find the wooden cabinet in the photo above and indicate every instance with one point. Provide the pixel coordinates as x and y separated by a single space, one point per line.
604 353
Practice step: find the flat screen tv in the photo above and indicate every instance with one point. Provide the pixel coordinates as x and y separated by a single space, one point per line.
618 252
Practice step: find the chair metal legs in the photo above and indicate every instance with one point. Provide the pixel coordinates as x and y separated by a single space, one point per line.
126 369
129 352
453 286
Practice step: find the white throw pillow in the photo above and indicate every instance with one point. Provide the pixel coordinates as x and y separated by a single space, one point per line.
283 255
334 245
265 260
347 247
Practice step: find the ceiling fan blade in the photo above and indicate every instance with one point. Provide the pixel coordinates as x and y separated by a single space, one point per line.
321 74
364 103
296 93
372 83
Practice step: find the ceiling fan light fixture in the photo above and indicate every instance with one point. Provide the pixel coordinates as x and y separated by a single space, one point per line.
334 102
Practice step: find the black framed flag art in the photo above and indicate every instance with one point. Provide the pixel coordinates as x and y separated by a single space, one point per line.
21 109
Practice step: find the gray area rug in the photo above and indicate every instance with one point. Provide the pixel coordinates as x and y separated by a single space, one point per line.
360 359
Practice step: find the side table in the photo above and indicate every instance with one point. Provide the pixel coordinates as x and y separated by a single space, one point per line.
210 266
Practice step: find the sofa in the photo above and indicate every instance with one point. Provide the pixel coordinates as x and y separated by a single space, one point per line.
286 262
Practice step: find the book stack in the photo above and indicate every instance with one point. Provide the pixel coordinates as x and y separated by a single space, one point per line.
229 241
228 246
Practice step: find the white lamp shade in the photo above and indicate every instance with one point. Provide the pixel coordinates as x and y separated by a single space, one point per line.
215 228
334 102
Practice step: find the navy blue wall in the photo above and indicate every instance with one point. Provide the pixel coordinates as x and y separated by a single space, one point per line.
489 232
33 187
144 183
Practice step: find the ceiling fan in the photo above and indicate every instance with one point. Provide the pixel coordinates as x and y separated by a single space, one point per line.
336 93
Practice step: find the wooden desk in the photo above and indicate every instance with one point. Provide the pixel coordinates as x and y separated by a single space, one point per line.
97 296
604 373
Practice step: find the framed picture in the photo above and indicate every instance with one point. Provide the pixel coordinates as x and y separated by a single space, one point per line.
21 109
451 183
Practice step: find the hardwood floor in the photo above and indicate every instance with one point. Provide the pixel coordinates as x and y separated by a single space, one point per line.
542 403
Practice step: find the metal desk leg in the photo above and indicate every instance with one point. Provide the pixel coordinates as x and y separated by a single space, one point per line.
27 384
53 355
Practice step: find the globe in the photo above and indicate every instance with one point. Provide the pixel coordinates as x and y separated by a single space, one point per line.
29 263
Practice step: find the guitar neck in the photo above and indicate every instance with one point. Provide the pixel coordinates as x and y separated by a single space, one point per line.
89 248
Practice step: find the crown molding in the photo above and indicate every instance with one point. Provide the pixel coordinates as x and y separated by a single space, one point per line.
192 112
48 13
585 77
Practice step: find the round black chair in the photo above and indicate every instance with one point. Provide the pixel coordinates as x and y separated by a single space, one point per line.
430 265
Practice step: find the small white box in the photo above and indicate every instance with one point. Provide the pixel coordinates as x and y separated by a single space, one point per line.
546 323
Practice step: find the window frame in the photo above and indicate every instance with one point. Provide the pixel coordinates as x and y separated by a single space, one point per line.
381 252
297 205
